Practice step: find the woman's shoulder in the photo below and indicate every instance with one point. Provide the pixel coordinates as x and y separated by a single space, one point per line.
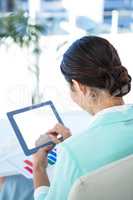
75 142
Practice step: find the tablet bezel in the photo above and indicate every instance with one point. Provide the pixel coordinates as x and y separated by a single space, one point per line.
15 127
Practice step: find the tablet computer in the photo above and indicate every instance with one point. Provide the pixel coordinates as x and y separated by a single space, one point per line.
31 123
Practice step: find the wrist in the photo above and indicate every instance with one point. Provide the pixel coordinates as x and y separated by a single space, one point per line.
40 176
39 166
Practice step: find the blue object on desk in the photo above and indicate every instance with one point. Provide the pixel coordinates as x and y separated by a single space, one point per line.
52 157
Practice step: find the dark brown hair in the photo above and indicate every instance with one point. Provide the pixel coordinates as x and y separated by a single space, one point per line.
94 62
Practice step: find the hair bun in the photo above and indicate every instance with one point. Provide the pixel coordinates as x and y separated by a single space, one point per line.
120 81
94 62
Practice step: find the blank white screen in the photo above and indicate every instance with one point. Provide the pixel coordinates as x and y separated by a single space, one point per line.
34 123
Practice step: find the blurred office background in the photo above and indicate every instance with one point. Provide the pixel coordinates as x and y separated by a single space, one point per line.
31 73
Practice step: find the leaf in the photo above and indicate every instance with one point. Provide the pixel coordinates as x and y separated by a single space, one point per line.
16 26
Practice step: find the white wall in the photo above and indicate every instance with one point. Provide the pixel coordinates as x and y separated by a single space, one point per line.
16 81
91 8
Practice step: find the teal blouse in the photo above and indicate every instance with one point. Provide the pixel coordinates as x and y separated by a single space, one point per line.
109 137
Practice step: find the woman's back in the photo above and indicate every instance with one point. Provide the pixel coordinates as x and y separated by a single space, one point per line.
109 138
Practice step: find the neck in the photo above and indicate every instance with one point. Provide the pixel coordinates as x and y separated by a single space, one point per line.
107 103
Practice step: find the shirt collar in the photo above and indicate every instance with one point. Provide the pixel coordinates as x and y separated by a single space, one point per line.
114 109
112 114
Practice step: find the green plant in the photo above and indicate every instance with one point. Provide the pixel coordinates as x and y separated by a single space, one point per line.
17 28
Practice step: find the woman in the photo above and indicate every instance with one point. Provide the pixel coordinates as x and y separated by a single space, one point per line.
98 82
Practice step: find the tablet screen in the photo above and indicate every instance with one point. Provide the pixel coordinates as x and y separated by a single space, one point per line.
35 122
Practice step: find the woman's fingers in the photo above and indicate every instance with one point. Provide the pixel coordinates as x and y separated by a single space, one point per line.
54 138
58 132
46 149
43 139
40 158
42 152
56 135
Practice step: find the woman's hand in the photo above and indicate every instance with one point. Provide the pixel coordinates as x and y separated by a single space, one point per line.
56 134
59 133
40 163
40 158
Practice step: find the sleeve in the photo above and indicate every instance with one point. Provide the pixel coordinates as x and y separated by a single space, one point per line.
66 172
40 192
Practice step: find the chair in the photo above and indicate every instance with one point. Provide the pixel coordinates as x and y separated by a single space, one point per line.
112 182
